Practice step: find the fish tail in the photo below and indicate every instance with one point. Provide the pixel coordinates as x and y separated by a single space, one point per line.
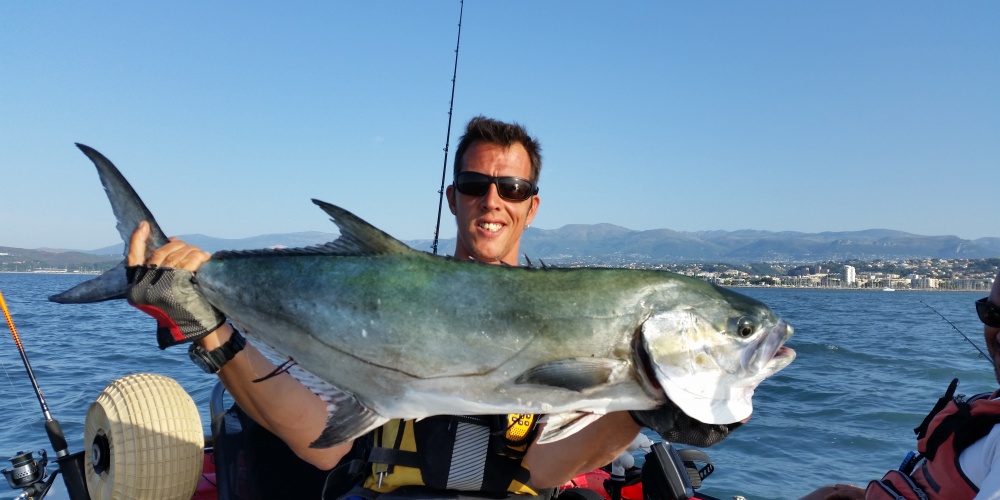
129 210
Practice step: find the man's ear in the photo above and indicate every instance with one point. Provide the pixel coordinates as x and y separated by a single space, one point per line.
532 210
450 194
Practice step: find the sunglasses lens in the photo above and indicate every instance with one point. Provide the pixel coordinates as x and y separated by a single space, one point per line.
514 188
472 188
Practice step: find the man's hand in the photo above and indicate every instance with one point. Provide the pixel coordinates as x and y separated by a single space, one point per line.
675 426
163 287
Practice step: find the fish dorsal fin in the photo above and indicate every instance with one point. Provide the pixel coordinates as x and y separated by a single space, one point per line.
358 236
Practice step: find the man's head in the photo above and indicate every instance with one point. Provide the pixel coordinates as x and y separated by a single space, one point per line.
493 211
991 334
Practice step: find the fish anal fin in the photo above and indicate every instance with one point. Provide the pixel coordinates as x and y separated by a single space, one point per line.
575 374
563 425
347 417
348 420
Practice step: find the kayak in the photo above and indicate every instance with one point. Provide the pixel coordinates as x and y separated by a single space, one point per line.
143 438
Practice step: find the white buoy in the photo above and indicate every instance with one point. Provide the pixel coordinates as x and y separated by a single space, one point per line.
144 440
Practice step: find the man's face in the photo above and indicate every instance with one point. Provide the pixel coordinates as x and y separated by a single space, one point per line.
490 227
992 335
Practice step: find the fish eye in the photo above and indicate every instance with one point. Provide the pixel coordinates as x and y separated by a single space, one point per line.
745 327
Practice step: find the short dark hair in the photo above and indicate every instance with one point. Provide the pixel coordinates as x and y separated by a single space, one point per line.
504 134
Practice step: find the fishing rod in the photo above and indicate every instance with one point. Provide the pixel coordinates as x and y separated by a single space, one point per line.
447 139
967 339
25 473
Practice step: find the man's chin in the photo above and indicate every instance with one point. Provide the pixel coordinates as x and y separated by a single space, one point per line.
487 253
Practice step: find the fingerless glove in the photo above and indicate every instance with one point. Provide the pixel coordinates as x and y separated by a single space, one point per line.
674 425
167 294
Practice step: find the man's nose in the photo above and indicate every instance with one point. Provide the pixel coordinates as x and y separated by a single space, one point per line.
492 197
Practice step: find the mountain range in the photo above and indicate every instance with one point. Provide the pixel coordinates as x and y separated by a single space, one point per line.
611 244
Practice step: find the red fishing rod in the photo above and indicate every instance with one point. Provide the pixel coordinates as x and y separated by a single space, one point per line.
25 473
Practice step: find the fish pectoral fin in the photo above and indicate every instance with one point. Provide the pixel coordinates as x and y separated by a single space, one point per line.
564 425
348 419
575 374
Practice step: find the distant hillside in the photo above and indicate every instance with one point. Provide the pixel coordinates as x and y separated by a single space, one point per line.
610 244
620 245
19 259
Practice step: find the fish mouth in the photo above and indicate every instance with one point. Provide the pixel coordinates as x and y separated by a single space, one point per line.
784 352
772 354
782 358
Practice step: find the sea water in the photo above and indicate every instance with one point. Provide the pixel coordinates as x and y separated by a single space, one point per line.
870 365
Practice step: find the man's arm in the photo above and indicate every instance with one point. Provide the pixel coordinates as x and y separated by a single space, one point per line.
990 487
552 464
988 459
281 404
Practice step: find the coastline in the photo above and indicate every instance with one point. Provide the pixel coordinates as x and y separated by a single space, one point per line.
781 287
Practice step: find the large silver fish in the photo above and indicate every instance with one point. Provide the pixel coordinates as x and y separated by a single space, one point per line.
399 333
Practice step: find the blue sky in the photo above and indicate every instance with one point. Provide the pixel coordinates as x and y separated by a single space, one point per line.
228 117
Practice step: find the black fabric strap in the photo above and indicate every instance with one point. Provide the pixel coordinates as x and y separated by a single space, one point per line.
392 457
949 395
947 427
974 429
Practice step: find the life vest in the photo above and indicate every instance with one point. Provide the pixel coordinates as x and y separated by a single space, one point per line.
953 425
468 454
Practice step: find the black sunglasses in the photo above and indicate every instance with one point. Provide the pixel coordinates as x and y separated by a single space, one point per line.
509 188
989 314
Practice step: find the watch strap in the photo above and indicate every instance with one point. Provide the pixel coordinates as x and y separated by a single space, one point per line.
213 361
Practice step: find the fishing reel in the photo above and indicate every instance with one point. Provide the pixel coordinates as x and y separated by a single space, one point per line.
26 470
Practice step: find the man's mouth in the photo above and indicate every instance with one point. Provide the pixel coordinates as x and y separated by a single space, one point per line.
490 226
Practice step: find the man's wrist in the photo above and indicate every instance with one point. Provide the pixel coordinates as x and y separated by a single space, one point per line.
214 359
218 337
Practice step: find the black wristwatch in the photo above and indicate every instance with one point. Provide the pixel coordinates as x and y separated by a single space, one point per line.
213 361
988 312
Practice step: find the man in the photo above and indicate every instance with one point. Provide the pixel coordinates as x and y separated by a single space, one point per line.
493 198
961 452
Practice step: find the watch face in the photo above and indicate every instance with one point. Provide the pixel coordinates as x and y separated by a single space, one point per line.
198 355
213 361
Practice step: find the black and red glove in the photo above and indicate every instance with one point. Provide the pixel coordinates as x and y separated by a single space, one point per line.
168 294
